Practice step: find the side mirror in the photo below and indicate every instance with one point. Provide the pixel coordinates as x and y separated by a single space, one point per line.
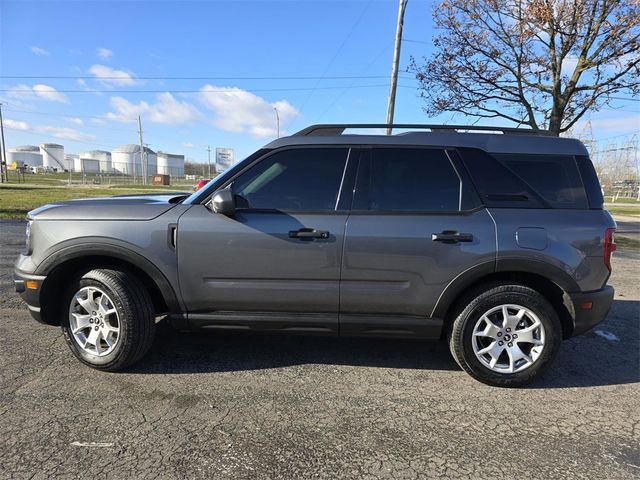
223 202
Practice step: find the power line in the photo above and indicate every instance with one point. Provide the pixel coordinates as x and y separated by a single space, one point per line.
335 55
104 77
417 41
335 100
630 134
337 87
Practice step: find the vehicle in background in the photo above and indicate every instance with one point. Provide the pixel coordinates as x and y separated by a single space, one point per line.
201 183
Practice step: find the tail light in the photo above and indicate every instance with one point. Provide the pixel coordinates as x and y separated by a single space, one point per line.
609 246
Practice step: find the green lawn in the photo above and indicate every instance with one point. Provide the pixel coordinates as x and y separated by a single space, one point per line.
624 200
17 200
618 210
626 243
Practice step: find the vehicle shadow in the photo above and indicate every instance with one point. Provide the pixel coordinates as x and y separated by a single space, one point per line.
213 351
609 354
611 357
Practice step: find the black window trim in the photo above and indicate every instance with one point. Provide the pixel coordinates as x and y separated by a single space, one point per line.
335 211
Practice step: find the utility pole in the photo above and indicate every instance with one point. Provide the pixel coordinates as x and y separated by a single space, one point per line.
209 152
394 66
277 120
142 165
4 174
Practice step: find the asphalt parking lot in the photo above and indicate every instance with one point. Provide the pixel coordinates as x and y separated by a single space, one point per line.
258 407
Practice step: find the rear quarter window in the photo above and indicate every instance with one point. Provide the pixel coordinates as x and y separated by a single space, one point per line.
591 182
556 178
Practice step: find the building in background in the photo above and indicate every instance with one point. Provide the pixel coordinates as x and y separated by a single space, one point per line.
125 159
53 156
24 155
170 164
94 161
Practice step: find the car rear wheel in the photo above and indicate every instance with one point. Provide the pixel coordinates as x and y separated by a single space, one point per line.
109 319
505 334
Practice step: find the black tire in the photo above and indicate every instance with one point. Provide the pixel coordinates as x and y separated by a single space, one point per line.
136 318
481 300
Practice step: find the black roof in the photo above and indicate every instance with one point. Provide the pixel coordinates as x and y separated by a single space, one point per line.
490 139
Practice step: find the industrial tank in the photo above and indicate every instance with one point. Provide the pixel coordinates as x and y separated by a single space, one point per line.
170 164
52 156
126 159
70 160
102 157
24 155
86 165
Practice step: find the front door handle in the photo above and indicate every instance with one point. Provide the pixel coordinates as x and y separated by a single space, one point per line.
308 233
451 236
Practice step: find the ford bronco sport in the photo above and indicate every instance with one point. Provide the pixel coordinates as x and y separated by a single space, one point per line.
492 239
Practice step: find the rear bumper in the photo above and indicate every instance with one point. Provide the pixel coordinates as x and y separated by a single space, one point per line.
29 294
590 308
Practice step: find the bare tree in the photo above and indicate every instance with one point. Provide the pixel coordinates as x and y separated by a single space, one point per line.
541 63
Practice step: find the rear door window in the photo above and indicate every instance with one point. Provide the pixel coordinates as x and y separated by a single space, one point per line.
409 180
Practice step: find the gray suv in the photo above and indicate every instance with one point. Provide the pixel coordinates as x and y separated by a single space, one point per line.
495 241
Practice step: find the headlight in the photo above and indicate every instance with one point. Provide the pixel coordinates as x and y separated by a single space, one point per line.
28 233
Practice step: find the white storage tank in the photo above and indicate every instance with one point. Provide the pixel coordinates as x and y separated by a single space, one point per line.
86 165
70 161
170 164
125 159
152 162
22 155
53 156
103 158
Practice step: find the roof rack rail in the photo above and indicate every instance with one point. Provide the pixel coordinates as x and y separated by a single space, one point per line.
338 129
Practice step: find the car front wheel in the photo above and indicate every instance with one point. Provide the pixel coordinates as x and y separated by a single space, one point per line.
109 319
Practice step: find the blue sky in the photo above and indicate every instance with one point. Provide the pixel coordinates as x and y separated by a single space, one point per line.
229 44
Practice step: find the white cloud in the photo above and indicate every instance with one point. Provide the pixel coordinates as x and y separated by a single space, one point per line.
40 51
240 111
104 53
188 145
20 91
65 133
49 93
616 124
166 110
76 120
62 133
82 83
569 65
16 124
45 92
112 76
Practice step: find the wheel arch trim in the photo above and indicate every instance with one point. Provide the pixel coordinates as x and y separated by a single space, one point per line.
123 254
516 265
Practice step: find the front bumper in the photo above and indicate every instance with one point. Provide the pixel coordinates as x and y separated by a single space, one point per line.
590 308
29 286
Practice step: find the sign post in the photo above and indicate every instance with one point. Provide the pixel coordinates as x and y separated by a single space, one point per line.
224 159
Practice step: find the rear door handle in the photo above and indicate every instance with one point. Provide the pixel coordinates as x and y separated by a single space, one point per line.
308 233
451 236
